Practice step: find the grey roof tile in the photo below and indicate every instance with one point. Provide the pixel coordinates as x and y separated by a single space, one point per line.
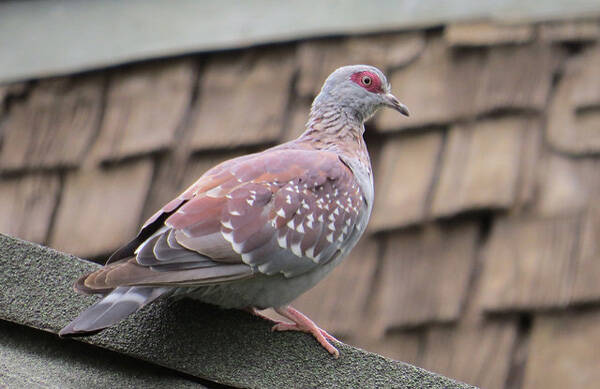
36 359
224 346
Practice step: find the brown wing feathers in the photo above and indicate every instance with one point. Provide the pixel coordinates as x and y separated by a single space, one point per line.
284 211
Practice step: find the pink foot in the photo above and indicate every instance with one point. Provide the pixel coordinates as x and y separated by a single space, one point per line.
304 324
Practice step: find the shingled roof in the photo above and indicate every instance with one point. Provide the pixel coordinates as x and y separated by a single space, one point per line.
481 259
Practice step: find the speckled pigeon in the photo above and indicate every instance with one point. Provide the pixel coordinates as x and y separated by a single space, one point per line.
256 231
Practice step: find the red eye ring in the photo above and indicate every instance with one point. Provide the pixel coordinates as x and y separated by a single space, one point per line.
368 80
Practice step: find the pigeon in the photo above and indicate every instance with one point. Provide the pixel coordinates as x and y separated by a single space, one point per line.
256 231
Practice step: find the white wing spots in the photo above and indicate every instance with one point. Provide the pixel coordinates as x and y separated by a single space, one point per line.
296 249
291 224
228 195
348 222
282 241
281 212
320 219
227 224
250 202
336 211
288 199
310 217
310 253
341 238
235 213
214 192
309 224
331 217
300 228
331 226
329 237
305 204
289 189
345 229
228 236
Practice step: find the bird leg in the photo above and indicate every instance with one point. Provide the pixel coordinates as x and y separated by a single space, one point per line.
300 323
304 324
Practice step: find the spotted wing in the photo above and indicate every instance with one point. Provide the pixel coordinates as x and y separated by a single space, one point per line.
283 211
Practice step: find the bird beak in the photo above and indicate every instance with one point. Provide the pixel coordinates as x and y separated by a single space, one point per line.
392 102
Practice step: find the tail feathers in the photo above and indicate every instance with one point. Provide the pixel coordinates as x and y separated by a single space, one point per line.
117 305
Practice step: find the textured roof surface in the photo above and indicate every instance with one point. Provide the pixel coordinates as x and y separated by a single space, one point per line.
482 251
227 347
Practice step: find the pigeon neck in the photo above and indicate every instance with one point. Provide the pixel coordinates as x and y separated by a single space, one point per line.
336 128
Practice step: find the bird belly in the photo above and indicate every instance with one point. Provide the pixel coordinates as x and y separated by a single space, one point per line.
261 291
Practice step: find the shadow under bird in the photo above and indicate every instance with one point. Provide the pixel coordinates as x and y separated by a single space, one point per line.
256 231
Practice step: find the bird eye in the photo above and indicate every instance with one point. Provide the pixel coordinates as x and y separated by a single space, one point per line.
366 80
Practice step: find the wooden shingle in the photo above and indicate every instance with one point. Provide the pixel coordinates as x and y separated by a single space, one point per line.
338 302
482 163
574 110
563 351
444 97
565 186
243 99
425 275
464 83
517 78
479 354
145 105
586 287
26 205
100 209
570 31
533 263
406 169
318 58
53 125
482 33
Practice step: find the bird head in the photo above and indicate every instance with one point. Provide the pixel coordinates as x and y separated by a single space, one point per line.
360 89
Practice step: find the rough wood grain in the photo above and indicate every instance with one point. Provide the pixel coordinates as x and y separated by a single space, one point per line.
243 99
570 31
479 354
26 205
445 96
532 263
474 34
563 352
566 186
406 169
424 275
515 78
100 209
145 105
574 111
53 125
482 164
